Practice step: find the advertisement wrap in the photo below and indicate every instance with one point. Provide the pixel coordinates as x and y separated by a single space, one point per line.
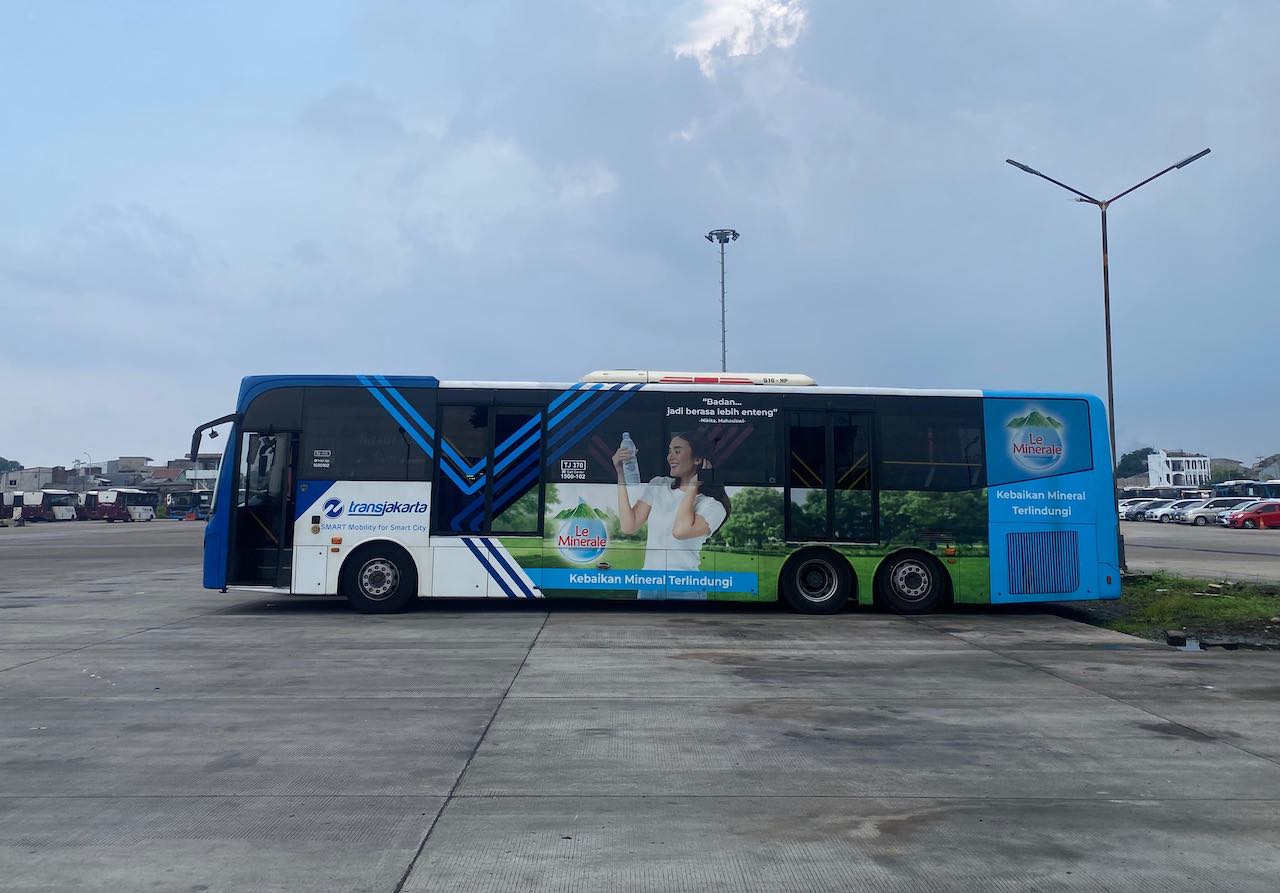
1043 499
683 496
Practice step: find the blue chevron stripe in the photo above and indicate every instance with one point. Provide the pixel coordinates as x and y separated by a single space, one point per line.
409 410
589 418
518 451
477 505
560 416
587 429
524 429
518 577
565 396
485 564
404 423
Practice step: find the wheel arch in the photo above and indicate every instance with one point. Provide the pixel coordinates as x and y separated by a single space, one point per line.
374 545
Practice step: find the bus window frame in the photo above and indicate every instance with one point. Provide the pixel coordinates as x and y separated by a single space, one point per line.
495 399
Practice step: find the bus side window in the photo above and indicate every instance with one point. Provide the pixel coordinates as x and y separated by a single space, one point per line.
851 510
807 476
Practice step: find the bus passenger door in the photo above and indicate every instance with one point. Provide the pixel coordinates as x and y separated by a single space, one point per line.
485 484
263 520
829 488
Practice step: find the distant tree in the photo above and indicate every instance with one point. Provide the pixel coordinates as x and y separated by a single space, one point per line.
1134 463
755 520
9 465
906 516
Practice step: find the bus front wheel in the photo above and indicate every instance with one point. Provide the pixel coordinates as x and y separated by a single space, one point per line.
912 583
380 578
816 581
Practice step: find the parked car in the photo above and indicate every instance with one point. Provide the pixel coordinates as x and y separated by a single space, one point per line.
1224 517
1264 514
1208 513
1165 515
1133 512
1139 512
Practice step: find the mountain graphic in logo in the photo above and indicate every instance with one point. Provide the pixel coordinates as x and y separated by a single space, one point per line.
1036 441
583 536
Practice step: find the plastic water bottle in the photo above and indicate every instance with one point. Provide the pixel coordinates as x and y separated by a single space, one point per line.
631 467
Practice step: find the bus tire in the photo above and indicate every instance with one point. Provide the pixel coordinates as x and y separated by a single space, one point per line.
912 583
379 578
816 581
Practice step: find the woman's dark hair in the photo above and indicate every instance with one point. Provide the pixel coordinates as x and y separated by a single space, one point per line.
704 448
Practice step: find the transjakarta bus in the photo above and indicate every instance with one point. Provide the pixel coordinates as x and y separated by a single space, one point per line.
121 504
646 485
41 505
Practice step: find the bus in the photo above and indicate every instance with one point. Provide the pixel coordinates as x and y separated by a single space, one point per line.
655 485
1258 489
192 505
121 504
41 505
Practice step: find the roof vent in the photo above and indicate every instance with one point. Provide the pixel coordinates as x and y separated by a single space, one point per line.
781 379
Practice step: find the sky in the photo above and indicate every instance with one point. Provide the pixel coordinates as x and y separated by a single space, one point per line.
496 190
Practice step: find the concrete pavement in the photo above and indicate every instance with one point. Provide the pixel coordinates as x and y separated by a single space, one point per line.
156 736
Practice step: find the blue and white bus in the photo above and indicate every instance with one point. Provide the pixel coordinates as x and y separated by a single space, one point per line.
656 485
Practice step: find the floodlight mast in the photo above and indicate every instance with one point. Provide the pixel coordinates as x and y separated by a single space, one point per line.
723 236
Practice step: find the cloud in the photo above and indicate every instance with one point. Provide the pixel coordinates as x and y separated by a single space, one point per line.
731 28
350 112
125 251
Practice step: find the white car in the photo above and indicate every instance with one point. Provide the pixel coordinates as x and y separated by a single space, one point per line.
1149 511
1166 515
1208 513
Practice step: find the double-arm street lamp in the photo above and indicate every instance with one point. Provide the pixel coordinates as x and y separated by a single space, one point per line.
1102 205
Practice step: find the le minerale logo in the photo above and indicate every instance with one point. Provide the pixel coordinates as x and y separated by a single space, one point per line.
1036 441
583 536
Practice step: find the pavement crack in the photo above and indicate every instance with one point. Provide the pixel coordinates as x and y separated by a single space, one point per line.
471 756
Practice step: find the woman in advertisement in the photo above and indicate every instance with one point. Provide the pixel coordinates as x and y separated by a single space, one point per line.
682 512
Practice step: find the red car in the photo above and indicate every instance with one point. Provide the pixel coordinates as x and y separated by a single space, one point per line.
1264 515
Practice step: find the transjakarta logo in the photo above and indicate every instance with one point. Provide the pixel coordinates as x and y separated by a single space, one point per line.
333 508
1036 441
378 509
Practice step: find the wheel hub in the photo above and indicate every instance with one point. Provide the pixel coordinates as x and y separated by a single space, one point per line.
817 580
911 580
379 579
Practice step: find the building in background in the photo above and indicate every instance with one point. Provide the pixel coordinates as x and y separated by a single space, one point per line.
1175 468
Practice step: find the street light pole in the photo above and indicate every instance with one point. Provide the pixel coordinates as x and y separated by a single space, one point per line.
723 236
1103 205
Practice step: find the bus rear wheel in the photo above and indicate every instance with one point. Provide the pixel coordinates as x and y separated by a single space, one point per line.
912 583
380 578
816 581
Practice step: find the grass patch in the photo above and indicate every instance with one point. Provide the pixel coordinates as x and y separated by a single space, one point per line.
1152 603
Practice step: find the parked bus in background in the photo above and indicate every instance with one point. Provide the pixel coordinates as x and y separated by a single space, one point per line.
1256 489
651 485
41 505
190 506
121 504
